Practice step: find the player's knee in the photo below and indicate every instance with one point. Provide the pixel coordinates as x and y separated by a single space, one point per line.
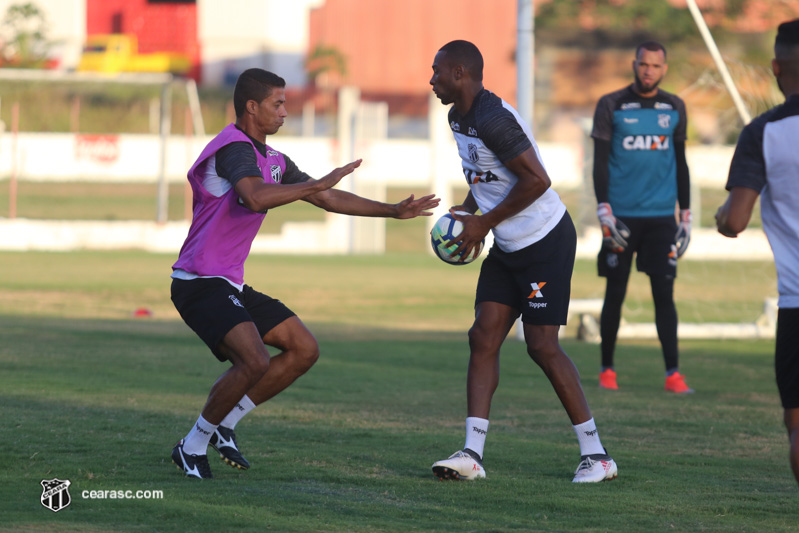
307 353
482 339
475 335
543 349
538 353
255 367
252 361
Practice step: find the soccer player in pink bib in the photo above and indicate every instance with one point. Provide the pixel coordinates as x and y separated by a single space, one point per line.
235 181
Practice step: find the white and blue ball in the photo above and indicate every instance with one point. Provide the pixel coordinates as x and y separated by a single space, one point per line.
445 229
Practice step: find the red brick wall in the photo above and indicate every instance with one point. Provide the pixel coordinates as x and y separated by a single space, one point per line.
390 44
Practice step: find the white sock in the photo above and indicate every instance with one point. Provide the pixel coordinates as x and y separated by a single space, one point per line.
244 406
476 429
196 442
588 437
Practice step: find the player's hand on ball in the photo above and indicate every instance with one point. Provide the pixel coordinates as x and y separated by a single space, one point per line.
614 232
446 240
472 237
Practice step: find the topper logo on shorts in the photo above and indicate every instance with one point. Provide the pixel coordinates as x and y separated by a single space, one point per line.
537 294
537 289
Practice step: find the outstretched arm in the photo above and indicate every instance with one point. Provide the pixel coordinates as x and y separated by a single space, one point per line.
258 195
347 203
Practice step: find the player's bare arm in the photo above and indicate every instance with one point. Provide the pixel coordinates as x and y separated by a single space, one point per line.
469 205
533 181
347 203
733 217
258 195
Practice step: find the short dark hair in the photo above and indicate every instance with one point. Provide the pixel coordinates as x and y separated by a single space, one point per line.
466 54
254 84
788 33
652 46
786 47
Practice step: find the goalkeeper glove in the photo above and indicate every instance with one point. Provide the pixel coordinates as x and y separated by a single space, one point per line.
683 236
614 232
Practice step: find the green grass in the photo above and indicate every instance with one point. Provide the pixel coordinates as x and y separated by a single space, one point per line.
433 295
348 448
98 398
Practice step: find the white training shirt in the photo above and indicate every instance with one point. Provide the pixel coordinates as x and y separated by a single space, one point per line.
491 133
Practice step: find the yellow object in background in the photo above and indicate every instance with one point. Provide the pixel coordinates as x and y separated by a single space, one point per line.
120 53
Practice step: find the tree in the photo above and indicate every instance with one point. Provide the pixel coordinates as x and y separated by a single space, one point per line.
23 39
619 17
323 61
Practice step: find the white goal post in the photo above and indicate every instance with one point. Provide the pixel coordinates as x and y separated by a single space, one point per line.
165 81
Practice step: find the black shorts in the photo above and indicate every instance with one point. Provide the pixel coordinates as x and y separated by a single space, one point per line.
652 240
212 307
536 281
786 357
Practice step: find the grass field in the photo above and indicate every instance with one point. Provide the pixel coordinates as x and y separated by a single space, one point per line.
137 201
98 398
405 290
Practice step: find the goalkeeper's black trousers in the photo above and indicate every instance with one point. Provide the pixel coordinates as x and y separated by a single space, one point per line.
665 318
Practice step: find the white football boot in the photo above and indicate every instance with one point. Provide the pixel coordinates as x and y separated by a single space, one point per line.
595 468
463 465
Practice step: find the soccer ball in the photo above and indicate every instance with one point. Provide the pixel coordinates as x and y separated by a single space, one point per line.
446 229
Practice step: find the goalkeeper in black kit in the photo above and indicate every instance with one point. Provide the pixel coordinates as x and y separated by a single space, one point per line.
640 176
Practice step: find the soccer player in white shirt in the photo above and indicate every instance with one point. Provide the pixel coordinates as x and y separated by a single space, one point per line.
766 164
527 271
